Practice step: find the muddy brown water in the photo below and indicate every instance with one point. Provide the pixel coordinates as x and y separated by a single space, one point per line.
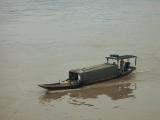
40 40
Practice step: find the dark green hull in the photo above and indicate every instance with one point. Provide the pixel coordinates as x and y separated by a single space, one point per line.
64 86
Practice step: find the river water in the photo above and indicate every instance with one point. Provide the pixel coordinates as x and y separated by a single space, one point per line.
40 40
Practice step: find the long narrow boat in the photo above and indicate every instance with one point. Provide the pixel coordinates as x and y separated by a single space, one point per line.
119 66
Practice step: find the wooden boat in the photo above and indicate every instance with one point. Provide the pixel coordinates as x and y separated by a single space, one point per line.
118 67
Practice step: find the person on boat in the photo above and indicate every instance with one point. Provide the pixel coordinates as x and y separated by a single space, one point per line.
127 64
122 65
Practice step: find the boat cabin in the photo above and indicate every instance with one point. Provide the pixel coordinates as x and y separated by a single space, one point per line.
123 61
93 74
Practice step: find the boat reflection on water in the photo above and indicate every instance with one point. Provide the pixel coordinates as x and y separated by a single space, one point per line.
114 89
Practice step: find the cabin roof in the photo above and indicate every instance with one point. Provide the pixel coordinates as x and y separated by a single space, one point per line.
117 57
92 68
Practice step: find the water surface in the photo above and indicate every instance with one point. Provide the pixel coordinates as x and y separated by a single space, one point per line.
40 40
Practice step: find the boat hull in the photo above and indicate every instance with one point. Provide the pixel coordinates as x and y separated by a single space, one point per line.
61 86
57 87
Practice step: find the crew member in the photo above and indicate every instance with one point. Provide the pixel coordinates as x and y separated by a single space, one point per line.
122 65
